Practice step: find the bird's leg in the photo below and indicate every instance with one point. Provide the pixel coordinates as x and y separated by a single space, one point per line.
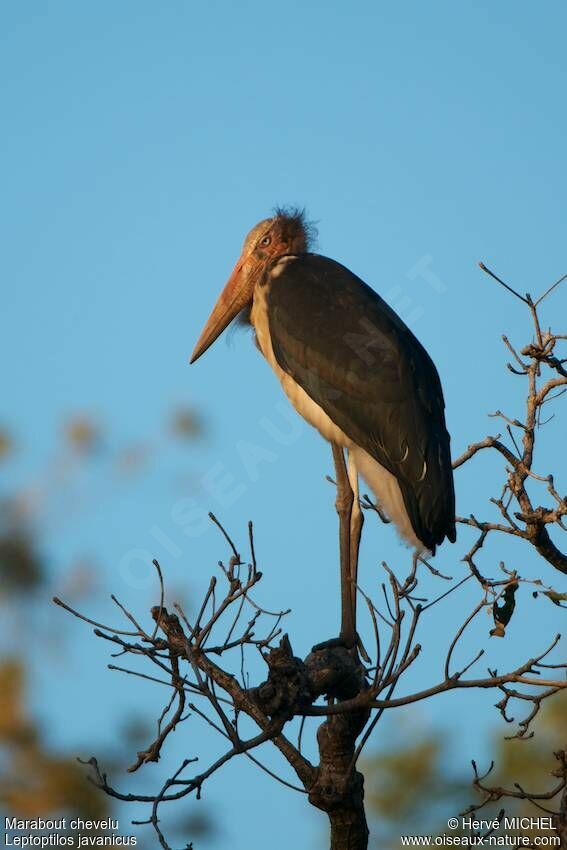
356 523
411 581
344 504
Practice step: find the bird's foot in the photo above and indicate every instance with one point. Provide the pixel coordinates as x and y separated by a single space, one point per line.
332 643
345 642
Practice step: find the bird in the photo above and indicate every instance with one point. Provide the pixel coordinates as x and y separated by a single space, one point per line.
353 369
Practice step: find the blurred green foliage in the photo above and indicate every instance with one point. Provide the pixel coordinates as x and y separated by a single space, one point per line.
34 780
21 568
37 779
186 423
83 434
415 785
6 443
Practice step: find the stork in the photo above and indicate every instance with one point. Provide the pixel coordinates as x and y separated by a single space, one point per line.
354 370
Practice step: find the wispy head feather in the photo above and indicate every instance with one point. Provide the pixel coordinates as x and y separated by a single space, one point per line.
297 217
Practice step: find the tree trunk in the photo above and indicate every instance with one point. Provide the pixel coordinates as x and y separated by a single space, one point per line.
334 786
348 829
339 788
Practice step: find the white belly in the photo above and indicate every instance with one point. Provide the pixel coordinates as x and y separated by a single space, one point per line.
382 483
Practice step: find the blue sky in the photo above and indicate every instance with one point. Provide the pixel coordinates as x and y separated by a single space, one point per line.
141 142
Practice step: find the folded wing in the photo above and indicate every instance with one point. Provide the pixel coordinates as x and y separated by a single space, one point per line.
356 358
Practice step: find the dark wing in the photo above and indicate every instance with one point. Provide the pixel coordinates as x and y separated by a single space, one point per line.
356 359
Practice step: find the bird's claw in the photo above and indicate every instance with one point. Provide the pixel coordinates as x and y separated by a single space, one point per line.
346 643
331 644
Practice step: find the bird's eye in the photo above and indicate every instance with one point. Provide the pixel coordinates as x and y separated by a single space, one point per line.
265 241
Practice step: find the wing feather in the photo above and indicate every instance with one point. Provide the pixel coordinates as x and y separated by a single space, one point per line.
357 359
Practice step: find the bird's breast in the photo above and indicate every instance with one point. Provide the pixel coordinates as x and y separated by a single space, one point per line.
383 483
303 403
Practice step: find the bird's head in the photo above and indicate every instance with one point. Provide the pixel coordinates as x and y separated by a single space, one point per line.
286 232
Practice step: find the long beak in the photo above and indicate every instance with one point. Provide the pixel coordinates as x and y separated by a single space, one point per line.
232 299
